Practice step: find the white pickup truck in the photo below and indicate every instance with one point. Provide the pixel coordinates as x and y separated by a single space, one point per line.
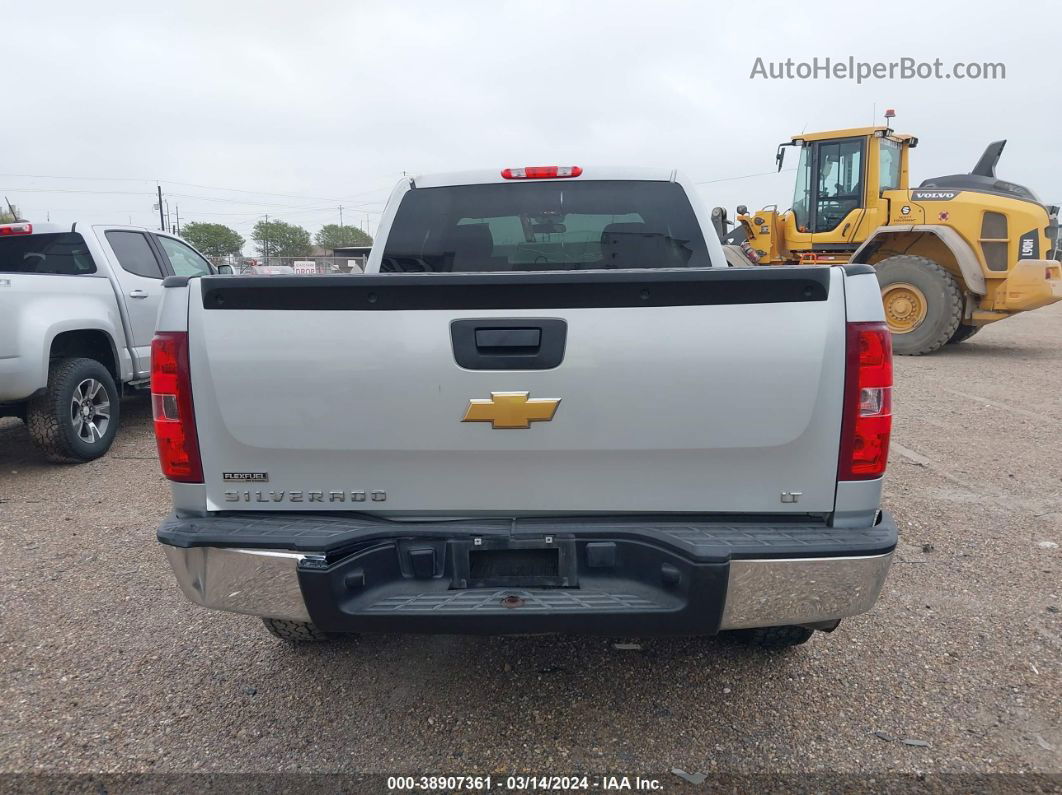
548 406
77 312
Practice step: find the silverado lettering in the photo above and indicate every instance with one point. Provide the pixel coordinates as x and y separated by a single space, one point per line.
297 496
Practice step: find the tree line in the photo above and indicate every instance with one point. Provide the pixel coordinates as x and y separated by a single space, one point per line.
271 238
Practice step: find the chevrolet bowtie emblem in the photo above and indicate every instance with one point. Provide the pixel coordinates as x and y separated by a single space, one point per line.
511 410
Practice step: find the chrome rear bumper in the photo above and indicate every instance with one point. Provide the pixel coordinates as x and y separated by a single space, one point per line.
763 593
252 581
767 592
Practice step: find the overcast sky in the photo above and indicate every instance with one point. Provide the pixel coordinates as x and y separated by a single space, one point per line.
291 109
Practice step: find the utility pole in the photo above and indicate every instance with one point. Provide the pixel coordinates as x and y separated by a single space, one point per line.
265 241
177 213
341 216
162 221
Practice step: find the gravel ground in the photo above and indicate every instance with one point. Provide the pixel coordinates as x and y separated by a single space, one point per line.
106 668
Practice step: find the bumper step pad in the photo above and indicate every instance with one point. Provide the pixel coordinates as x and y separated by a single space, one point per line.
504 600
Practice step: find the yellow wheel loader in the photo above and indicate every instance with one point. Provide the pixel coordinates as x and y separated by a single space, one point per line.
952 255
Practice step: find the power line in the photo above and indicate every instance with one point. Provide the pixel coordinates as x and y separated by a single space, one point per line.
225 200
93 179
292 211
282 195
153 187
257 213
82 190
198 185
217 199
743 176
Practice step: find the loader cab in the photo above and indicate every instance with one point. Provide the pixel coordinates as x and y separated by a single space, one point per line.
838 193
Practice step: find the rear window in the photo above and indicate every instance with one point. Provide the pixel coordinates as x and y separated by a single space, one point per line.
63 252
545 226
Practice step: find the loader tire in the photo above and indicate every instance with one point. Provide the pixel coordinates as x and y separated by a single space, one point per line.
75 419
963 332
923 303
296 631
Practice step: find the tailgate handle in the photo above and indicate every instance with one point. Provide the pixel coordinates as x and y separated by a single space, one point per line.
509 344
508 340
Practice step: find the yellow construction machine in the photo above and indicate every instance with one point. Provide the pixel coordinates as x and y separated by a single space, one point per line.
952 255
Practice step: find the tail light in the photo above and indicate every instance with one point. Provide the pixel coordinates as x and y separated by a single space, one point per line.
541 172
867 419
16 229
171 405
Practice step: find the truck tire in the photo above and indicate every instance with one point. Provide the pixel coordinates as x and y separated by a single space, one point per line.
296 631
923 303
774 637
963 332
75 419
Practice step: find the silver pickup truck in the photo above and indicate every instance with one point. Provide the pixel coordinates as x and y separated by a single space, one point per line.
78 306
548 406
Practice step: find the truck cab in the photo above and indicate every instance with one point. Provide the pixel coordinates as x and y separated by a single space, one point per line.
845 183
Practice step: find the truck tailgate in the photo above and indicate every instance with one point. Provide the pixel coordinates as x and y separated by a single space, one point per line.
714 390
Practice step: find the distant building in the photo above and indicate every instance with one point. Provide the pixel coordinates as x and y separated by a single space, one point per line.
354 256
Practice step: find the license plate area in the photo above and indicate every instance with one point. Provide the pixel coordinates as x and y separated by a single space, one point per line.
508 563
